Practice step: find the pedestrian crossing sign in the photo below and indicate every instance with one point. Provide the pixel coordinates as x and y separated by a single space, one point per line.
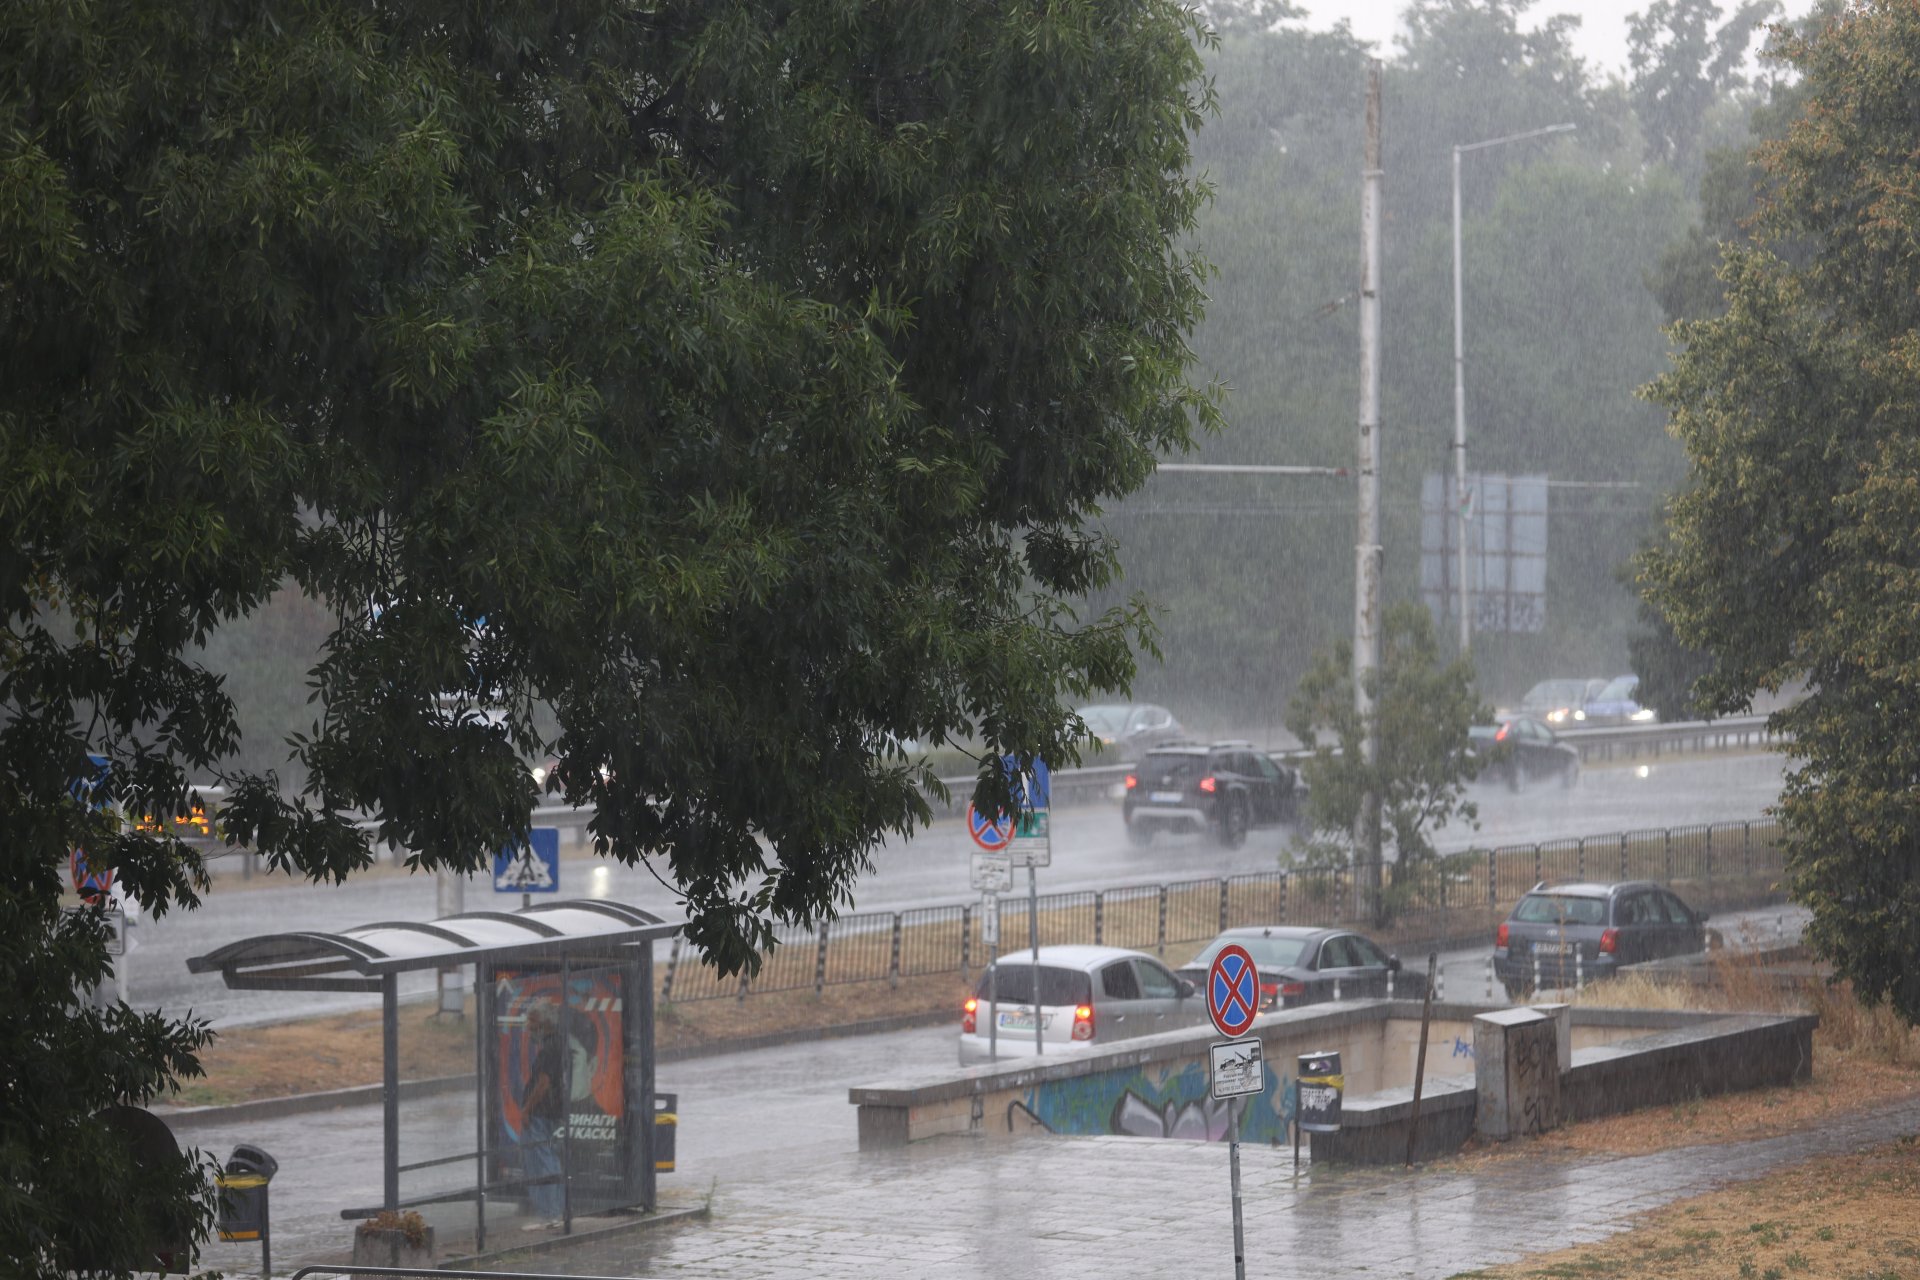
533 867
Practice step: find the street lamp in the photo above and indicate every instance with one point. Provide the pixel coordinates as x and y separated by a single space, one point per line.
1460 382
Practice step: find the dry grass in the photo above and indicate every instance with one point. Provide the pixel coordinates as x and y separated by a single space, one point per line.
1850 1217
1862 1057
343 1050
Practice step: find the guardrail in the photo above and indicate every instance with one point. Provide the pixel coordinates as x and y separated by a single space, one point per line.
1459 896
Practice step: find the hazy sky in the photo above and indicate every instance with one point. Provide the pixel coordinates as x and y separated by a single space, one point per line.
1601 40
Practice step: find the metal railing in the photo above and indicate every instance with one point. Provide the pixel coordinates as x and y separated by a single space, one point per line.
1457 896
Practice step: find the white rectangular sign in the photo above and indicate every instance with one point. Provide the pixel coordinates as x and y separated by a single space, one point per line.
1032 843
992 873
990 918
1237 1068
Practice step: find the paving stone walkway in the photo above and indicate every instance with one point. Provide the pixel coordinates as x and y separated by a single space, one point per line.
1041 1207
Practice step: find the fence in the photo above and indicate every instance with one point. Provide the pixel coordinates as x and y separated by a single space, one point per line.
1460 896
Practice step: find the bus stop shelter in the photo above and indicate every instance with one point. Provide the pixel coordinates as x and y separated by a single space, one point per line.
580 970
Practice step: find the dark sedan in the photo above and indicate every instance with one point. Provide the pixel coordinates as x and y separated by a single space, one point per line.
1305 966
1520 750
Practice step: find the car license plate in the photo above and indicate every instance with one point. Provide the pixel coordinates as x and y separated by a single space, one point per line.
1165 797
1551 948
1021 1020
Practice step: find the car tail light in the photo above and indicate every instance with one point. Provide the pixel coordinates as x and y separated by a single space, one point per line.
967 1012
1502 735
1083 1022
1609 940
1269 994
1500 936
1290 989
1208 784
1132 782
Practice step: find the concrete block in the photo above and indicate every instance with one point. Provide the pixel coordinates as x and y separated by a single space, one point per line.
1516 1074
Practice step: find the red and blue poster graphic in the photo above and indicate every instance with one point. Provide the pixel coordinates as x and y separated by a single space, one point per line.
592 1064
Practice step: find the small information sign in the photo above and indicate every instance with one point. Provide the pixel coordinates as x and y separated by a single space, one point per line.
1238 1068
534 867
991 873
990 919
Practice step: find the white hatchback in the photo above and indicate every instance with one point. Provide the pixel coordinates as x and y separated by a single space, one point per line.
1087 996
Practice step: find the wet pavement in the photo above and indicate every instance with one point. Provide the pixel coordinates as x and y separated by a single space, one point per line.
1069 1207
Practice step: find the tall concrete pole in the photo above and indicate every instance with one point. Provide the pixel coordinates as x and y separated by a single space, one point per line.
1367 551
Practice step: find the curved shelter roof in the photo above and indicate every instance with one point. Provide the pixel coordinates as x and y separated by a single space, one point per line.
356 959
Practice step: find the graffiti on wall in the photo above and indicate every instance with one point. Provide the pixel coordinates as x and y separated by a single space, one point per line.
1163 1100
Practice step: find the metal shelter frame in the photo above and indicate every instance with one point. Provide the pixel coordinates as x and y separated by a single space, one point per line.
553 936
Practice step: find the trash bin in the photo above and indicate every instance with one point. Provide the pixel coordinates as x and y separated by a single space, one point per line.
666 1123
243 1199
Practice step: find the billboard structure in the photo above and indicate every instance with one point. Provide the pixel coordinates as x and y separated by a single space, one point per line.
1506 551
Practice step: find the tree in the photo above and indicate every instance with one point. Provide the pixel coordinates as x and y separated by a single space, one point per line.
728 384
1683 68
1423 709
1793 554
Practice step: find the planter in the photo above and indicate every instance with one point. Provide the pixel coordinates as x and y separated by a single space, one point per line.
393 1246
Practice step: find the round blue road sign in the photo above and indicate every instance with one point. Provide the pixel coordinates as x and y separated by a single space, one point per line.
991 834
1233 991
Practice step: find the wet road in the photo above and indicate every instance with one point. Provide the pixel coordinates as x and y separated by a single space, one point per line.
1090 851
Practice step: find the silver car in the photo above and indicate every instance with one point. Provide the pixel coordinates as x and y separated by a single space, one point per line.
1088 996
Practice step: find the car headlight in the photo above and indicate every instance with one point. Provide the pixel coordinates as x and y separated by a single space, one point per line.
1579 715
1643 714
539 774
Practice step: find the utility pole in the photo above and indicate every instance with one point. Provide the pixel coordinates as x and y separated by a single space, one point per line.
1367 551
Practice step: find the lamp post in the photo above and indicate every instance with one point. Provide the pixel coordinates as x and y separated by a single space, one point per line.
1460 383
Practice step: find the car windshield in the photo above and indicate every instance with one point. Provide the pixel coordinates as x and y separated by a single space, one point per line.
1555 908
1555 693
1620 690
1107 721
1172 768
1057 986
1276 953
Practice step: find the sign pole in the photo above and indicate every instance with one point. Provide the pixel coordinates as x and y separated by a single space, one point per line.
1233 1159
991 906
1033 939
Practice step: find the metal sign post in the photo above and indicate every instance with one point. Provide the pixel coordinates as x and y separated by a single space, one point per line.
1030 844
1238 1067
992 875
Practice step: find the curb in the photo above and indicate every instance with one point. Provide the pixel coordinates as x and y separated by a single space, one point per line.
652 1221
358 1095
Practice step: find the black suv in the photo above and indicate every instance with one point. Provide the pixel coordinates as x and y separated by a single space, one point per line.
1226 789
1590 930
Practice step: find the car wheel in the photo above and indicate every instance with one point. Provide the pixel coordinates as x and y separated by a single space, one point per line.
1232 830
1139 834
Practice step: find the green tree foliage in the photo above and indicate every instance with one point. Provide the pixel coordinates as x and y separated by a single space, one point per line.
1792 555
1423 707
1684 67
729 381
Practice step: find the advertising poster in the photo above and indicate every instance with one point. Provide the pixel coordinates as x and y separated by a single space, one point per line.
528 1005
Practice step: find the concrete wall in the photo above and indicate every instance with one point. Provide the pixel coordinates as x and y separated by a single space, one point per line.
1151 1087
1157 1086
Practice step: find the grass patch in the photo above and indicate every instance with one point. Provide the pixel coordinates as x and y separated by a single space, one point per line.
1844 1216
